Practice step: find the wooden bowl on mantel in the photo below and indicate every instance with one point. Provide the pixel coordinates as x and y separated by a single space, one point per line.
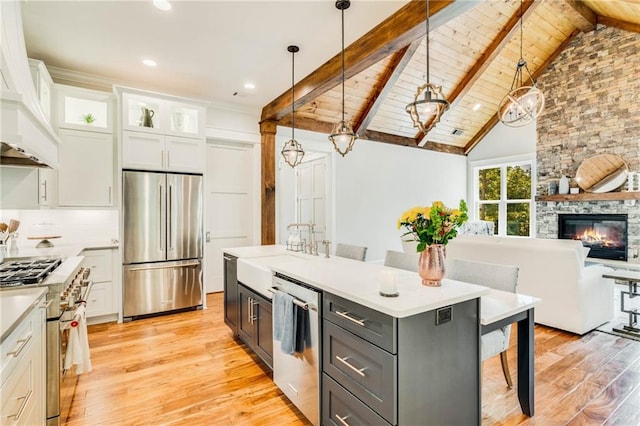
602 173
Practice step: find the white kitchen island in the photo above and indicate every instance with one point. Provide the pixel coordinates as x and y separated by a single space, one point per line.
410 359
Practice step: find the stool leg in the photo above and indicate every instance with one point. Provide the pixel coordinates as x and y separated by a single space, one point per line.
505 369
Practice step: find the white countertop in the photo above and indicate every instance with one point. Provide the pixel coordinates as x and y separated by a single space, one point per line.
360 281
58 250
257 251
15 305
499 305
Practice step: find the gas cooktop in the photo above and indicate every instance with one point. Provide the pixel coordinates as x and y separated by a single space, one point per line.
25 272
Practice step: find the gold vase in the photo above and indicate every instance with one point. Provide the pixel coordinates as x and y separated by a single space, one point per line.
431 265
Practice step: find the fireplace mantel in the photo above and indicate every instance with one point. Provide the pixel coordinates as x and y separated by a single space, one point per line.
590 196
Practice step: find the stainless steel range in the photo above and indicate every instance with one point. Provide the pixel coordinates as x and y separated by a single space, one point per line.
68 288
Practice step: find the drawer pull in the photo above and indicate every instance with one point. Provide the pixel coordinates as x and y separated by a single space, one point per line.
344 361
342 420
350 318
25 400
46 304
23 343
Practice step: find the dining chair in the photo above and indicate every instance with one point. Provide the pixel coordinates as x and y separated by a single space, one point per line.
351 252
499 277
401 260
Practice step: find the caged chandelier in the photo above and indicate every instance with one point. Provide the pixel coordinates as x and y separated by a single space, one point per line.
342 137
523 103
292 150
429 103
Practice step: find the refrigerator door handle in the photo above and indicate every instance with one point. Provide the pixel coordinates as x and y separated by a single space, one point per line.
160 210
170 220
148 268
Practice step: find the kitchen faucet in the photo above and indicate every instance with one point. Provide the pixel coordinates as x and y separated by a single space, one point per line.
312 244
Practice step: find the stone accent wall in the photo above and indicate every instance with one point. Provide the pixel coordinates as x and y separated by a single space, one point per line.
592 93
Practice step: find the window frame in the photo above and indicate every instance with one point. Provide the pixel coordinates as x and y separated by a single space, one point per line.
502 203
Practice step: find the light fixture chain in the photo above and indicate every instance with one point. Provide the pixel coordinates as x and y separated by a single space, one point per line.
293 99
343 64
427 40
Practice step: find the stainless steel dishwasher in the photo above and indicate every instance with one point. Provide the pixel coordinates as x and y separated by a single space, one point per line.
298 375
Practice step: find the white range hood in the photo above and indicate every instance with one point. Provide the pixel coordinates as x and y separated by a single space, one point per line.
26 135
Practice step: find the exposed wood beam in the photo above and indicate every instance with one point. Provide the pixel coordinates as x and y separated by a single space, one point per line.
304 123
493 50
394 33
587 18
385 84
268 181
623 25
537 73
410 142
312 125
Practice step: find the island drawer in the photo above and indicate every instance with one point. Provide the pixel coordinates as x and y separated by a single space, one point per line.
364 369
373 326
340 407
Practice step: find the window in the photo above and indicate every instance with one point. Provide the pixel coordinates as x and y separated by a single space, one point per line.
503 195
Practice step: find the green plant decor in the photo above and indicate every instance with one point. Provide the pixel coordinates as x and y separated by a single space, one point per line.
88 118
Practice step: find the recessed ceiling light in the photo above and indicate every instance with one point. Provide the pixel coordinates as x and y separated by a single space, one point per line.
162 4
249 86
149 62
477 107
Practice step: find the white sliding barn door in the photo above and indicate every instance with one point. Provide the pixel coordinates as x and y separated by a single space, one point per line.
311 196
229 205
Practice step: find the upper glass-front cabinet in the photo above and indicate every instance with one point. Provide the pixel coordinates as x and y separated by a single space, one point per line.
161 114
84 109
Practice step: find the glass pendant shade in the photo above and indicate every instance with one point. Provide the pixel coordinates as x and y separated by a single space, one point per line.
524 102
292 152
428 106
521 106
429 103
342 137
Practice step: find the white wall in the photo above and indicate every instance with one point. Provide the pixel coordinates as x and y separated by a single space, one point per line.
376 183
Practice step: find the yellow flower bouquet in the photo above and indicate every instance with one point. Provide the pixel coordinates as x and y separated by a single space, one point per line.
436 224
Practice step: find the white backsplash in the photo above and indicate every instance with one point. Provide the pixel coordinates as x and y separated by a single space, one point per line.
73 226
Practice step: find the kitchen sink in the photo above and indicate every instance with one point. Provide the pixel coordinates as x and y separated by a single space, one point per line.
255 272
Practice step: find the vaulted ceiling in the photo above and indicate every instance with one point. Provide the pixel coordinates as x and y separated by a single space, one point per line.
474 47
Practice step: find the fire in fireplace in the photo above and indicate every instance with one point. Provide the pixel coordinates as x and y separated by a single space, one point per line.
605 234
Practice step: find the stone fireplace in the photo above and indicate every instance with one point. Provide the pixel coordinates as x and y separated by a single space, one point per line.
591 108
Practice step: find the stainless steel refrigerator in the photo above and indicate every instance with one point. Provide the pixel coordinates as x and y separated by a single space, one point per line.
162 242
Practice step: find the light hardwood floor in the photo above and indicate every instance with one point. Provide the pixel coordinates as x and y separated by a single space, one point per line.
187 369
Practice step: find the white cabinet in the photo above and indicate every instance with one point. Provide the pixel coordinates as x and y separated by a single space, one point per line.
147 151
161 132
84 109
85 177
26 187
23 367
162 114
43 83
102 299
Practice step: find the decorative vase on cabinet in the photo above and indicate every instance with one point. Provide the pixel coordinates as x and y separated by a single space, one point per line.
431 265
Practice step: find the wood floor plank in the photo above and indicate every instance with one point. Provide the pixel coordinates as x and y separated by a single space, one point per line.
187 369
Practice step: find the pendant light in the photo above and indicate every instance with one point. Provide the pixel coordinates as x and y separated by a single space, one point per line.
342 135
523 103
429 103
292 150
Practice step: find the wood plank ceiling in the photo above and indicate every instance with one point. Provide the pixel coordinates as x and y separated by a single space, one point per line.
474 47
